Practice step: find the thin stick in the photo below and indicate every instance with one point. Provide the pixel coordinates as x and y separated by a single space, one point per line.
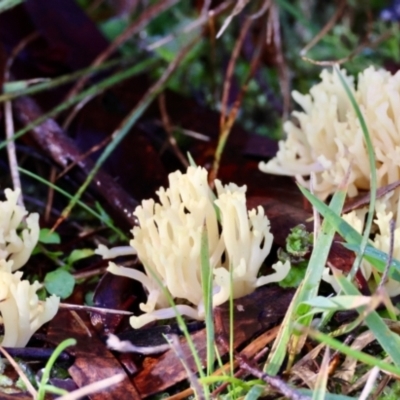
50 194
9 122
85 155
327 27
137 26
168 129
96 309
276 383
20 372
11 152
193 25
80 322
93 387
226 122
173 341
384 278
230 70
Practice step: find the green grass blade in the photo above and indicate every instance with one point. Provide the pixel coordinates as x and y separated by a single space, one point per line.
92 91
207 284
61 80
278 351
373 181
376 257
389 341
90 210
306 291
254 393
356 354
49 365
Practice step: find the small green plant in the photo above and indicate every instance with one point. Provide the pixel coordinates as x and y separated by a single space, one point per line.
44 387
298 246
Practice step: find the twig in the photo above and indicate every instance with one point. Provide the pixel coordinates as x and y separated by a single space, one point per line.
127 124
230 70
283 71
382 385
226 122
9 122
168 129
206 7
276 383
264 339
350 338
240 5
134 28
80 322
385 275
95 309
20 373
11 152
173 341
50 195
264 8
190 27
85 155
369 385
327 27
93 387
364 43
70 117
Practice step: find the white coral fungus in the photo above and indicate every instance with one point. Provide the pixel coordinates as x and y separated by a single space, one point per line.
22 312
328 137
381 241
19 232
168 242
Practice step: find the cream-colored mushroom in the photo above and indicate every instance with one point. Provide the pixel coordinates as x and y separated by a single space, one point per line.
327 137
168 242
19 233
22 312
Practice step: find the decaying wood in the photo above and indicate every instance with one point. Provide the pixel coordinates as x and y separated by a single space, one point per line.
52 140
93 361
254 314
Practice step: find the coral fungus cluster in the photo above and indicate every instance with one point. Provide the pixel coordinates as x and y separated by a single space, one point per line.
21 311
327 140
168 243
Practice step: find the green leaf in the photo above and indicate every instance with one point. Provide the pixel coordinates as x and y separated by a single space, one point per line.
46 236
59 282
78 254
338 302
295 275
254 393
299 241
